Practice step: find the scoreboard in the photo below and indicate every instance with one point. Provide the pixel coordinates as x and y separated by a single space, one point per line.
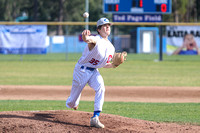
137 6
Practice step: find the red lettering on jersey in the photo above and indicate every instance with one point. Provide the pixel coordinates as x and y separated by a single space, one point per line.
109 58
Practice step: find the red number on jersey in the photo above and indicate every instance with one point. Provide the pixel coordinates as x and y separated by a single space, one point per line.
94 62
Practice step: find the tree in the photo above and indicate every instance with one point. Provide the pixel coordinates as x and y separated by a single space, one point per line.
10 9
60 17
72 10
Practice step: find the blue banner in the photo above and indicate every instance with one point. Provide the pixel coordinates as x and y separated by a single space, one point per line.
23 39
137 18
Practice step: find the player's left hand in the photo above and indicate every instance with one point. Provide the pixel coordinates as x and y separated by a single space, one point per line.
118 59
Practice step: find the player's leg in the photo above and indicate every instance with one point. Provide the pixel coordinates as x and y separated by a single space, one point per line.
80 79
96 82
75 94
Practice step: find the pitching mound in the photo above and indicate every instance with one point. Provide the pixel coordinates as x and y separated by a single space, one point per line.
78 122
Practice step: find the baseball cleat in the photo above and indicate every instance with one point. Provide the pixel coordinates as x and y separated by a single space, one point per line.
94 122
75 108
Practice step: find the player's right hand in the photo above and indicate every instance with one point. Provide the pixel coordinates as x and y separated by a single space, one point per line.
86 32
87 38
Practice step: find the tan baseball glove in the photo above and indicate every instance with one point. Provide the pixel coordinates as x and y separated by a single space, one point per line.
118 58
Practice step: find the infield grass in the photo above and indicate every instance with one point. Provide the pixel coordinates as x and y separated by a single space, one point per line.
159 112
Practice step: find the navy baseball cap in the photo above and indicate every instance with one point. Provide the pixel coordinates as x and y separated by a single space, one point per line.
103 21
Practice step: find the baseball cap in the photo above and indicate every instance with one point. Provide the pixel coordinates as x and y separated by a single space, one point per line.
103 21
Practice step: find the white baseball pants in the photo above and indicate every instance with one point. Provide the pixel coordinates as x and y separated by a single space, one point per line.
81 77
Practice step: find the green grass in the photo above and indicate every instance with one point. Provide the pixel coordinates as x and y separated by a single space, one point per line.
149 73
131 73
36 73
76 56
159 112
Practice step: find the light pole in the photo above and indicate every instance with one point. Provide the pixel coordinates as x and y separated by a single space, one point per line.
87 10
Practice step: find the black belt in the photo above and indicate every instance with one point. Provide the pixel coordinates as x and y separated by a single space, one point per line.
88 68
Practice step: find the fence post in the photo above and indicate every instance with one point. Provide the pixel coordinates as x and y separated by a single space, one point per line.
161 44
66 41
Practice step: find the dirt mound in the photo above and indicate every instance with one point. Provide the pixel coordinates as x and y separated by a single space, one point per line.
76 122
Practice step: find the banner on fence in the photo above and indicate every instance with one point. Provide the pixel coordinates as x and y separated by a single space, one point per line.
23 39
175 36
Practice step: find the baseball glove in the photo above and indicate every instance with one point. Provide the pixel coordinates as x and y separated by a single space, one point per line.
118 58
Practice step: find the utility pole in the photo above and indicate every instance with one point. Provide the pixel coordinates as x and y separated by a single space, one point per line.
87 10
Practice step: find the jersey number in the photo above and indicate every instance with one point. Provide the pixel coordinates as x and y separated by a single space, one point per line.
94 62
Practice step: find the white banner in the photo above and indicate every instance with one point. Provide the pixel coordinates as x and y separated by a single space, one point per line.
175 36
23 39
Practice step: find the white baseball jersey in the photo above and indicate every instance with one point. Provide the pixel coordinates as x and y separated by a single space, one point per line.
99 56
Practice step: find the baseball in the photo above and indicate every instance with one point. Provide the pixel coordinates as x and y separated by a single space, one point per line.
86 15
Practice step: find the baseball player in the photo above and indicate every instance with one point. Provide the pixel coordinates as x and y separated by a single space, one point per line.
97 54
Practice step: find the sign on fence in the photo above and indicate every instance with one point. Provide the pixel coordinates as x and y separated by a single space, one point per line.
23 39
176 34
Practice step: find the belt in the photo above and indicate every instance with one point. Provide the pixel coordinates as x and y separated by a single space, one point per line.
88 68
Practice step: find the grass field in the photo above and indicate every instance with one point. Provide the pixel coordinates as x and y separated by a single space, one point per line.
138 70
76 56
